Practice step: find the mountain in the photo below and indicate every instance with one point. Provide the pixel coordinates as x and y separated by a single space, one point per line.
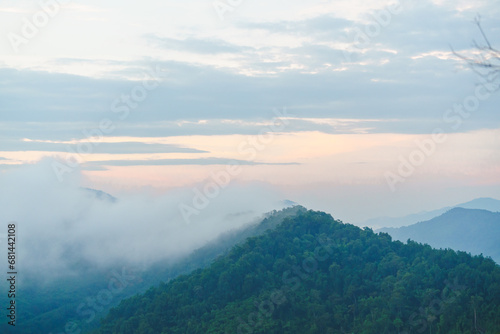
287 203
100 195
76 301
313 274
470 230
485 203
489 204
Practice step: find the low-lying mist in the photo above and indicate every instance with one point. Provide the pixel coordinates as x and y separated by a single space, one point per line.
63 228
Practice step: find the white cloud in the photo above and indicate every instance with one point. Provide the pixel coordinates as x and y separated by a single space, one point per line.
60 224
225 77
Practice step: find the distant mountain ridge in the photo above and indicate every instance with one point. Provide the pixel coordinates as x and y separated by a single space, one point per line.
484 203
471 230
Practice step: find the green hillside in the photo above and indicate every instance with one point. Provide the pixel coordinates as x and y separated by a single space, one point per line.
313 274
76 303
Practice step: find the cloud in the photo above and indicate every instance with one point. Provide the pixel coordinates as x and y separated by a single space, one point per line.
13 10
195 45
177 162
321 26
60 107
226 79
97 147
62 224
307 71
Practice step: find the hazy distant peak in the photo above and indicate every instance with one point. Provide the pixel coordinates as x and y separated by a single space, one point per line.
458 210
287 203
101 195
484 203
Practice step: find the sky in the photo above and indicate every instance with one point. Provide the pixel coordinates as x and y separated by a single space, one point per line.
357 108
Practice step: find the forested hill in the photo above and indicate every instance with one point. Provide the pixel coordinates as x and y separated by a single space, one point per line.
313 274
56 306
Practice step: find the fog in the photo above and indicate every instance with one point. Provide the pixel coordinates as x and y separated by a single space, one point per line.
63 227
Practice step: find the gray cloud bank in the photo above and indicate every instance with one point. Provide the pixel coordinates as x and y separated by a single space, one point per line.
61 225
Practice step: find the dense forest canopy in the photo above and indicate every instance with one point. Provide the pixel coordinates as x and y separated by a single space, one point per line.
314 274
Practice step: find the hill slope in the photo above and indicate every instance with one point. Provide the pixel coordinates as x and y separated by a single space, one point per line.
470 230
484 203
312 274
52 307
